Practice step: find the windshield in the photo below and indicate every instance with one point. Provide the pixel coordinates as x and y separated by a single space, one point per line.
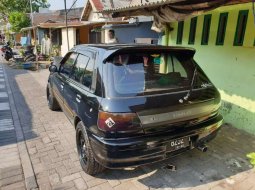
138 74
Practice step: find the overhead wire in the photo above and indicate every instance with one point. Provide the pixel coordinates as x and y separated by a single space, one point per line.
71 6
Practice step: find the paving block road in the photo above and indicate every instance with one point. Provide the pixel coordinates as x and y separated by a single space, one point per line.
11 172
46 158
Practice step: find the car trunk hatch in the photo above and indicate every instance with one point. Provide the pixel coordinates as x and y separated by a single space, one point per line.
167 117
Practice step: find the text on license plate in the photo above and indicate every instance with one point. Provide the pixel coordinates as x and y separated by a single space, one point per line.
177 144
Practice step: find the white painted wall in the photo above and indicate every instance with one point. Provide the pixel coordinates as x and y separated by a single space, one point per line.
95 17
72 40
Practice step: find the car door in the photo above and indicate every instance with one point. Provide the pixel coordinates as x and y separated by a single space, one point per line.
81 86
61 77
74 84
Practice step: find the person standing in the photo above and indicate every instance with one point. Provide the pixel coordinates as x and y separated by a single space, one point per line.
45 45
112 39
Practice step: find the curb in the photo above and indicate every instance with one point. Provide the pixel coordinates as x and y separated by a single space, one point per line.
29 175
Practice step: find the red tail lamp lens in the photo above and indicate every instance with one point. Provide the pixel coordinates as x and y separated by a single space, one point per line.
118 121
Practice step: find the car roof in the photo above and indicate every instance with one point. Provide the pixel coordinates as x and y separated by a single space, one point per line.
124 46
111 49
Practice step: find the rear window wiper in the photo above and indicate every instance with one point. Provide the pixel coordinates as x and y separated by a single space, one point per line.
186 97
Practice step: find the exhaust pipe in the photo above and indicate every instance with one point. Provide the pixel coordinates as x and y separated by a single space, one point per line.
202 147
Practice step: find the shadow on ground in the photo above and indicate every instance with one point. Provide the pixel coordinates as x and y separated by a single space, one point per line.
226 157
24 113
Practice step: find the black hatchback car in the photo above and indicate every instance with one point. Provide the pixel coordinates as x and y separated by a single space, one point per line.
134 104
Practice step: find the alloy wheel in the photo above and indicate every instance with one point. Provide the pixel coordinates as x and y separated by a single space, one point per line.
82 148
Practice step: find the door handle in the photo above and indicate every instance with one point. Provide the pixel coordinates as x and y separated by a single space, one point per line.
78 96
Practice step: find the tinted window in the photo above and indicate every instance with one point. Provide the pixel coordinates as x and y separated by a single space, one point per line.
79 68
67 66
138 74
88 73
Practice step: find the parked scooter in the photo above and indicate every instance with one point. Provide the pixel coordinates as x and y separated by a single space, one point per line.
7 51
29 54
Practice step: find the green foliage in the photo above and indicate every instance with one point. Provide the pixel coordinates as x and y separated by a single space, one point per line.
22 51
55 51
252 157
18 20
9 6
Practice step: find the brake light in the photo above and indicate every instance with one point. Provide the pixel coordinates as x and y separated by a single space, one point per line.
118 122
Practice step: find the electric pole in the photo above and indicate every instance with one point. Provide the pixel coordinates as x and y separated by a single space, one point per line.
67 36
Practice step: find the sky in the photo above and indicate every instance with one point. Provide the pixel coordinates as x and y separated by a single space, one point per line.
59 4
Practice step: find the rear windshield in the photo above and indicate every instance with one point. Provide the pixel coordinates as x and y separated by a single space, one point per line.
139 74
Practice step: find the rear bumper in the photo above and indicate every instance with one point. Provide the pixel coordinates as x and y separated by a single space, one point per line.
135 151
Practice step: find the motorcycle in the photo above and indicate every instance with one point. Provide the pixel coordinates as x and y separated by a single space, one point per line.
29 54
7 51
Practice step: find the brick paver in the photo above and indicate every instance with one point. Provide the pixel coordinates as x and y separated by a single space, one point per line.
50 139
11 173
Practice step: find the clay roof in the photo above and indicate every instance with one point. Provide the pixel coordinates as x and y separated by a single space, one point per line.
56 16
97 4
77 24
100 5
44 17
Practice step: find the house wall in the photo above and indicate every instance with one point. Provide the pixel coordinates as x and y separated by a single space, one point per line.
93 16
128 32
72 40
231 68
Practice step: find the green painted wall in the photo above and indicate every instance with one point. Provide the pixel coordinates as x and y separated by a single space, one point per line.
230 68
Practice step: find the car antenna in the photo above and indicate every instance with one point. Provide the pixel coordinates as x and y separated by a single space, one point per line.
185 98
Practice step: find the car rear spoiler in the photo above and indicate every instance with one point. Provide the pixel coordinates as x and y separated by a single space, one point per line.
110 53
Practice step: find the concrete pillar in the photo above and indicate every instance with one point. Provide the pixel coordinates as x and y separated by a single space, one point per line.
72 40
106 36
165 38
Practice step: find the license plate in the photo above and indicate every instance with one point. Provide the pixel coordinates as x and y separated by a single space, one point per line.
177 144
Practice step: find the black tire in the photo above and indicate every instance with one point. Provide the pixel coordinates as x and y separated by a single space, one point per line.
86 157
7 58
52 102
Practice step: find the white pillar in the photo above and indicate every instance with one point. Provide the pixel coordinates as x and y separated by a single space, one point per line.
72 40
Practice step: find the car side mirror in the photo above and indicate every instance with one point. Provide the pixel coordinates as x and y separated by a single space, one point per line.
53 69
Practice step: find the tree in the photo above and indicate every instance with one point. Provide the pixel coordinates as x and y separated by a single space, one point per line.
9 6
18 20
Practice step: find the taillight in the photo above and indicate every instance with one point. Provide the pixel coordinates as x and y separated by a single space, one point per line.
118 122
